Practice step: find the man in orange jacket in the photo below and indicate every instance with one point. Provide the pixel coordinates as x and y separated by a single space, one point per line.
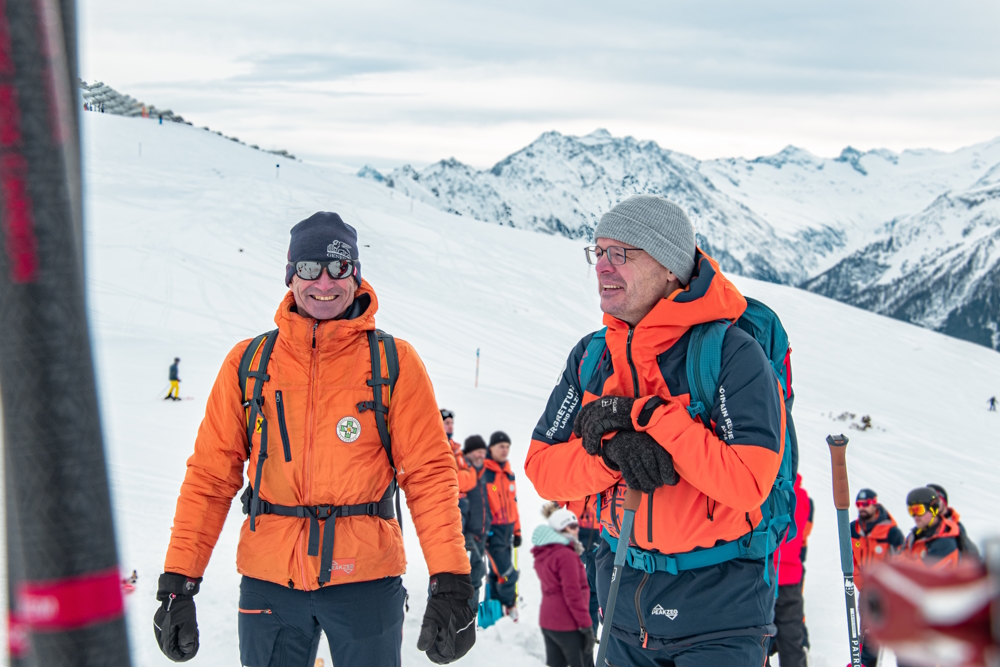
330 480
702 485
505 531
466 475
934 538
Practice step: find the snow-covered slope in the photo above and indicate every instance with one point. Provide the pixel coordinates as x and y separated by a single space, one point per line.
939 268
186 248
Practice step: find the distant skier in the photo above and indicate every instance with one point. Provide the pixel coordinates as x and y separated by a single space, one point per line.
505 533
564 615
993 404
175 381
322 550
791 639
478 518
934 538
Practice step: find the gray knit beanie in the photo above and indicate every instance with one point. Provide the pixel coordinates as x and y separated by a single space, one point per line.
658 226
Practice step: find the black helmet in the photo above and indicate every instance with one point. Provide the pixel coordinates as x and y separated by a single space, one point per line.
176 359
939 490
925 496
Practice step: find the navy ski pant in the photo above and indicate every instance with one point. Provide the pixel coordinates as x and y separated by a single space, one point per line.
746 651
589 538
503 576
280 627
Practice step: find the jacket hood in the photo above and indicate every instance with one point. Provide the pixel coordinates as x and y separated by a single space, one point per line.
299 329
708 297
545 535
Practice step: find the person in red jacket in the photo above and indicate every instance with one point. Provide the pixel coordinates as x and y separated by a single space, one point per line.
565 614
505 534
791 640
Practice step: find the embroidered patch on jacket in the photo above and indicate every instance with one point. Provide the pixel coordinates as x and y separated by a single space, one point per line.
348 429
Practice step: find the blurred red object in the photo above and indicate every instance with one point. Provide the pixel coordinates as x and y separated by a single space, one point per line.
946 618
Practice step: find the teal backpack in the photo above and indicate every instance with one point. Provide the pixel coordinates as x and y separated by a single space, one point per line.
704 363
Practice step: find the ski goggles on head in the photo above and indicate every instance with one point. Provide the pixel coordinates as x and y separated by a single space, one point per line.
920 510
866 502
447 414
338 269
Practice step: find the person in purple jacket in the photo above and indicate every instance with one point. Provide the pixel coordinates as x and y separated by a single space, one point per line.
565 612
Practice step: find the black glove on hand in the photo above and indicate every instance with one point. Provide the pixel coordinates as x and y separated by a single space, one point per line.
588 639
608 413
643 463
517 541
174 623
449 628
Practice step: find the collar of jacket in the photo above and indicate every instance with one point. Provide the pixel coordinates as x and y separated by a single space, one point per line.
297 330
708 297
941 528
493 465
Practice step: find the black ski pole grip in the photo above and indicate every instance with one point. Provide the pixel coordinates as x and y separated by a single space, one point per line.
838 461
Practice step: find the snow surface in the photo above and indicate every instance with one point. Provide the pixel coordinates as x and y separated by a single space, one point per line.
186 248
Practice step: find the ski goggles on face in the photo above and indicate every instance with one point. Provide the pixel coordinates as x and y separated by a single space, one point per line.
866 503
919 510
447 414
338 269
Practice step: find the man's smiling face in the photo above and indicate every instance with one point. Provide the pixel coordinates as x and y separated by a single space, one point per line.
629 291
323 298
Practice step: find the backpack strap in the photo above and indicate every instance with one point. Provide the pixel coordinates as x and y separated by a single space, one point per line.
595 350
704 364
253 404
381 408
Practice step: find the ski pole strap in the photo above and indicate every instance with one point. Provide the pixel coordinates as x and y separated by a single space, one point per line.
383 509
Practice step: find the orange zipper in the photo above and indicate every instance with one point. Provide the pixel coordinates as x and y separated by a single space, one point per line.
255 611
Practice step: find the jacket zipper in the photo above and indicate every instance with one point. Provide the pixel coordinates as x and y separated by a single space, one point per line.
628 355
280 403
649 519
307 451
643 637
255 611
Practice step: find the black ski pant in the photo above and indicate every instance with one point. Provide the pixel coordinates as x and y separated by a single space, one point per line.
589 538
789 617
565 649
503 576
477 559
281 627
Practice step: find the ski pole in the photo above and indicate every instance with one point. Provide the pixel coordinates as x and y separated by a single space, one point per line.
842 501
631 504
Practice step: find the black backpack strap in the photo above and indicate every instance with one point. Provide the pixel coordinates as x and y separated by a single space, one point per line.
381 408
253 404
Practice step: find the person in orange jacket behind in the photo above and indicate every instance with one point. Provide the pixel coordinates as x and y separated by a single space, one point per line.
467 477
505 533
590 534
874 534
477 526
934 538
327 469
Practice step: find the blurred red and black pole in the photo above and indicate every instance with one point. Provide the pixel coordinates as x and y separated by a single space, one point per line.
62 565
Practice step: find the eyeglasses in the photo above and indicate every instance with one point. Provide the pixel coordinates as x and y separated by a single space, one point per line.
866 503
616 254
338 269
920 510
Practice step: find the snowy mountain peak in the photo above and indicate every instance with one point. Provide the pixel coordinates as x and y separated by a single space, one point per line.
370 172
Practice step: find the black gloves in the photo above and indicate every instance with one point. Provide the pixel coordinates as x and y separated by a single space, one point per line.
174 623
449 628
644 464
517 541
609 413
588 640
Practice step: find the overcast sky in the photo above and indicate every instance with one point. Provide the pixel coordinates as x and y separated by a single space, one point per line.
388 82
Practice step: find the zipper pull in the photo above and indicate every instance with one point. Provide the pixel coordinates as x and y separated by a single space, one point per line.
171 602
315 325
642 636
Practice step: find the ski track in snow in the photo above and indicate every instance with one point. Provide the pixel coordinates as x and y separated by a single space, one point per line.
166 278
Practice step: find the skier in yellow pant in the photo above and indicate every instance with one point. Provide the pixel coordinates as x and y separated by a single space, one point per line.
175 382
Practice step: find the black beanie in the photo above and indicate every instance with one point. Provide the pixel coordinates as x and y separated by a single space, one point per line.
322 237
498 436
472 443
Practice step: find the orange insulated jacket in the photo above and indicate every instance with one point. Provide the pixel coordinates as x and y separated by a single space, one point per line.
320 369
